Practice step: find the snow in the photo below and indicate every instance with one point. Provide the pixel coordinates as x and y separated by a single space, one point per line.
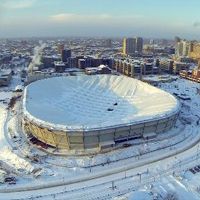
5 95
140 195
94 102
3 115
19 87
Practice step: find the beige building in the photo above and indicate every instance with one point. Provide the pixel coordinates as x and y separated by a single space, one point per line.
183 48
195 51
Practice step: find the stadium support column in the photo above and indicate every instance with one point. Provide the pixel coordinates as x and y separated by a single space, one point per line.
167 122
124 68
132 70
128 69
84 147
54 139
141 71
157 125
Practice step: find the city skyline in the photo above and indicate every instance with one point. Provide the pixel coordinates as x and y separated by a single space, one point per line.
105 18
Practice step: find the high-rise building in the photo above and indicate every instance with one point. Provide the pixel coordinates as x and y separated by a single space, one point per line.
139 44
129 46
66 53
132 45
179 49
60 48
151 42
195 51
81 63
72 62
186 48
183 48
177 39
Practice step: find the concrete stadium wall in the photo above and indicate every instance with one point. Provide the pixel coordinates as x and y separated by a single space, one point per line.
97 139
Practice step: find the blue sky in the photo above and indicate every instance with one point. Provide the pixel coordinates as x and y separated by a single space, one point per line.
111 18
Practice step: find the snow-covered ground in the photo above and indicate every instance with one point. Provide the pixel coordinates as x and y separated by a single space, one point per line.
157 167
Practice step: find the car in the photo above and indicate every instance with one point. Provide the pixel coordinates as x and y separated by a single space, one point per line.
197 169
193 171
126 145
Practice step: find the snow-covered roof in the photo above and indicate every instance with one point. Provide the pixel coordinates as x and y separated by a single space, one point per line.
5 72
95 102
102 66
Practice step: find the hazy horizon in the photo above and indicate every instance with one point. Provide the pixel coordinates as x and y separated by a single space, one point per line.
105 18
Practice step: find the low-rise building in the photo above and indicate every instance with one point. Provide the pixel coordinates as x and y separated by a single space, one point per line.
179 66
59 66
5 77
193 75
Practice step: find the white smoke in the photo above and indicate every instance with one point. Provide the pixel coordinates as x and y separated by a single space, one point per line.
36 60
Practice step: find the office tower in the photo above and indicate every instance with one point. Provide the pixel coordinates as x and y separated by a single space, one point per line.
139 44
66 53
183 48
186 48
179 49
129 46
195 50
60 48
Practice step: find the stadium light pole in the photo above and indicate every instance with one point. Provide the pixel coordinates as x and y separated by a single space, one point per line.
140 177
113 185
90 165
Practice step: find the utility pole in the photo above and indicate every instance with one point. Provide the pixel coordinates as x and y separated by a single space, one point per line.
113 185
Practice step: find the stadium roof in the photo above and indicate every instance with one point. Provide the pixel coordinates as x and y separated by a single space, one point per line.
95 102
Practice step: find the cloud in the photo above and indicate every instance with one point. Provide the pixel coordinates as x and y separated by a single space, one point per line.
78 18
70 18
74 24
17 4
196 24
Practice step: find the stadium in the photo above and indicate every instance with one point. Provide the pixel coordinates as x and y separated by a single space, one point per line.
96 112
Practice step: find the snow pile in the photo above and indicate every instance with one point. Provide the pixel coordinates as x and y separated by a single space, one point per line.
93 102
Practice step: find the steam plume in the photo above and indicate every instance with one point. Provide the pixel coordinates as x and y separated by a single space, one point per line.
36 60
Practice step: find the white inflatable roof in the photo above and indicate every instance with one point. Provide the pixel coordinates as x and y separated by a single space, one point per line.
95 102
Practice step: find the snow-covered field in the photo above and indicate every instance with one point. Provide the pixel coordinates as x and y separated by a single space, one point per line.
157 167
